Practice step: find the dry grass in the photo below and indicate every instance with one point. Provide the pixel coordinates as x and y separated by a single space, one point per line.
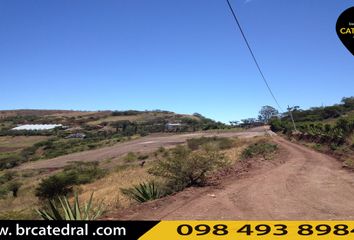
74 114
143 116
117 118
107 189
22 207
234 153
12 143
34 112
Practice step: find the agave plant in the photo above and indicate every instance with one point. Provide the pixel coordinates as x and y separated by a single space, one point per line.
66 211
143 192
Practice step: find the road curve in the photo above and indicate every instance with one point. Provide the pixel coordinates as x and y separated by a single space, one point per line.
305 185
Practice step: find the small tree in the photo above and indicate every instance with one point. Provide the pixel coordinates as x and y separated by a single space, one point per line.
184 168
266 113
348 102
54 186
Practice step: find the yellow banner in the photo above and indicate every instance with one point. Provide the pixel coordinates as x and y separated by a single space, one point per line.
251 230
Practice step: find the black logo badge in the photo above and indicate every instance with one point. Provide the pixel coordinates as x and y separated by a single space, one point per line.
345 28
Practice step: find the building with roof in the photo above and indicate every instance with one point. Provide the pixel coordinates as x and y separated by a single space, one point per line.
172 127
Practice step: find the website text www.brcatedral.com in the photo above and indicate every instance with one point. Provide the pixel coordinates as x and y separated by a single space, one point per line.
66 230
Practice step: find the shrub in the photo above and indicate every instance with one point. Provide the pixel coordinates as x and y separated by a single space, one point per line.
275 125
263 149
143 192
28 152
11 162
317 146
54 186
125 113
183 168
62 183
333 146
345 126
84 172
66 211
221 142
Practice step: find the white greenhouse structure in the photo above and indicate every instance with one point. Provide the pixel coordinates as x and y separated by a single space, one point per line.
38 127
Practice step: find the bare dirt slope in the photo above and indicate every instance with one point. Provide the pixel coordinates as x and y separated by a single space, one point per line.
145 144
300 185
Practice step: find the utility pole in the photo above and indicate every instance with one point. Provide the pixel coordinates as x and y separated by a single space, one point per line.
292 119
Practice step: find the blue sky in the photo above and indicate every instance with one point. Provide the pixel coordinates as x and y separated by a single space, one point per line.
185 56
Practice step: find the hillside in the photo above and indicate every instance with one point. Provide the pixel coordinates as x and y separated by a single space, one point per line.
84 130
29 183
84 147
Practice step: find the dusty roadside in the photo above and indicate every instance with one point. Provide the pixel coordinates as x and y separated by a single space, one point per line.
300 184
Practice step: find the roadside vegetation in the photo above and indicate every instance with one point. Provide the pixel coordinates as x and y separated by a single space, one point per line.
144 192
195 164
327 129
70 212
181 167
262 148
221 143
62 183
117 183
9 184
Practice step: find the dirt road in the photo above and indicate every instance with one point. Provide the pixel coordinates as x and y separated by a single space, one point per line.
145 144
301 185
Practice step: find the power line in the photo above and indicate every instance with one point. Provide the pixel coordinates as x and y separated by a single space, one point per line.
254 58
